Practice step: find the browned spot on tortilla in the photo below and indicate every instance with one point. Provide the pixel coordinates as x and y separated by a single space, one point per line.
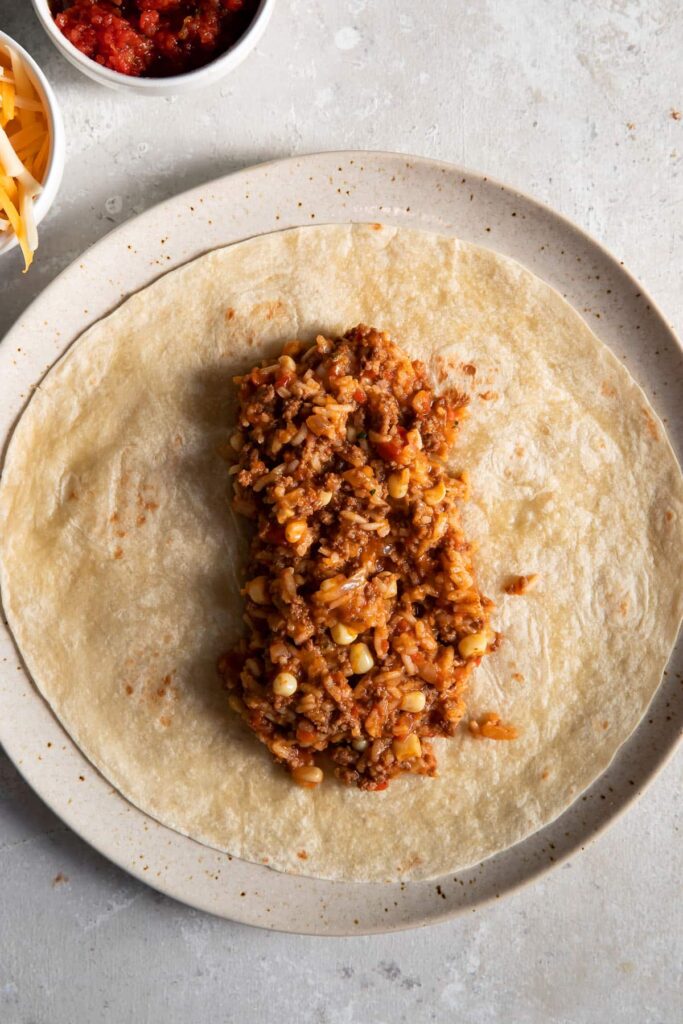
651 425
488 396
623 606
120 533
178 440
675 115
302 855
518 677
162 691
114 517
376 227
140 520
411 862
469 368
72 495
519 451
268 310
129 689
668 515
545 774
151 506
118 553
605 725
60 878
165 721
230 313
607 390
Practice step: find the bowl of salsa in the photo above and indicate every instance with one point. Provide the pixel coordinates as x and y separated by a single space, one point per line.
156 47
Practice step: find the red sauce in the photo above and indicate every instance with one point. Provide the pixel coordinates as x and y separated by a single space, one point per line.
153 38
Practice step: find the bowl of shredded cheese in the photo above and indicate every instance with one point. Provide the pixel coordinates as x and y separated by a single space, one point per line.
31 149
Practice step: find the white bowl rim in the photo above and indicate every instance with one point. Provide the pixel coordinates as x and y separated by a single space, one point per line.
230 57
55 162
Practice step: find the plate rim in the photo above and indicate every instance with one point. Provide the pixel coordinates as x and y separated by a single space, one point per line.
435 915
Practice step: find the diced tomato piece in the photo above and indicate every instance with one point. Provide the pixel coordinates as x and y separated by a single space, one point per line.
275 534
149 22
360 396
389 450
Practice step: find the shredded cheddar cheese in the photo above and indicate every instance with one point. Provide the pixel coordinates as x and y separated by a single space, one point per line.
24 151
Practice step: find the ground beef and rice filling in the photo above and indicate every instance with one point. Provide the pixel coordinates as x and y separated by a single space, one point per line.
363 618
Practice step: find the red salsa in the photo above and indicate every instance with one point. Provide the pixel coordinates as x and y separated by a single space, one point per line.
153 38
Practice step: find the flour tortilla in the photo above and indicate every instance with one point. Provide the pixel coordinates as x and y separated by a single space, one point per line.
121 559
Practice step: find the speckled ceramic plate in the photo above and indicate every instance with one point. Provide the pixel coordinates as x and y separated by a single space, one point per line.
314 190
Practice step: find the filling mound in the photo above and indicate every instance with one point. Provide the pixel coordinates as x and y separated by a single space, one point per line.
363 617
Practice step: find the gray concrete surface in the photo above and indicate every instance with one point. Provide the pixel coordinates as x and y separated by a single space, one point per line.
574 102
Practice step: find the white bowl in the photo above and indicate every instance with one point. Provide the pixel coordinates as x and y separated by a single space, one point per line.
174 84
55 161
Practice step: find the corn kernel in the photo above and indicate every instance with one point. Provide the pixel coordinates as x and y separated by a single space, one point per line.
397 484
295 530
407 748
359 744
474 645
308 776
341 634
361 659
422 403
285 684
433 495
257 590
287 364
413 702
